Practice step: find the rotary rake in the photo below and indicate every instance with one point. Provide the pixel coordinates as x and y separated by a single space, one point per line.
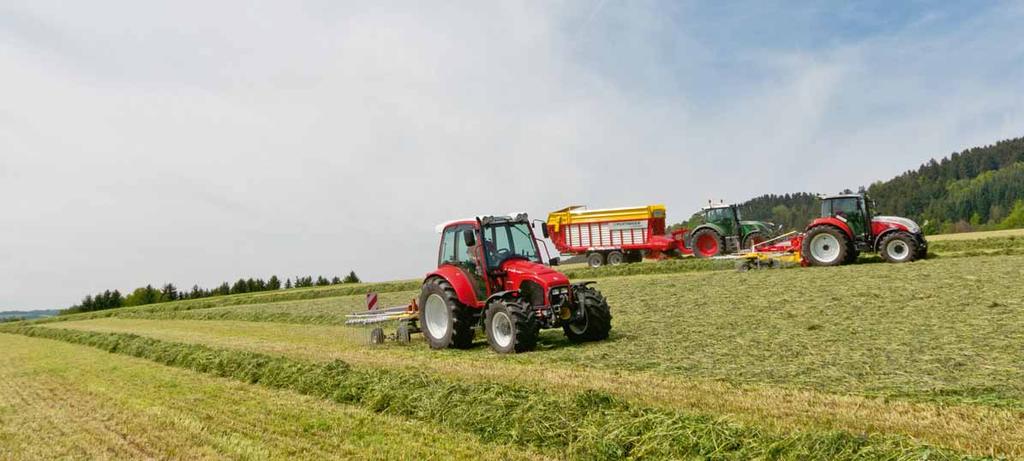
406 316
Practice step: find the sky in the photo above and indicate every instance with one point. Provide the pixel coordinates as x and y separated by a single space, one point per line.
197 142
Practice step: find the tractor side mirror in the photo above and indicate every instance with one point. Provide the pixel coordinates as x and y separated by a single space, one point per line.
469 238
554 261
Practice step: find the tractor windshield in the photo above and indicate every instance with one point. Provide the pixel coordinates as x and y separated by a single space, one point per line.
509 240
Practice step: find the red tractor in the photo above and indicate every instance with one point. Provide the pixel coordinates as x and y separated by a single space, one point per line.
490 275
847 227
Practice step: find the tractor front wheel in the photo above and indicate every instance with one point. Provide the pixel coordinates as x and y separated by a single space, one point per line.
593 320
825 246
706 243
595 259
444 320
511 327
898 247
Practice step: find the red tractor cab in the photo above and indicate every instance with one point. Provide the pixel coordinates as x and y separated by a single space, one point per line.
490 276
848 226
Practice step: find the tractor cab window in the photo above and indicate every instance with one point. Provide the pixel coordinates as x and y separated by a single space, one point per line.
509 240
846 207
453 247
447 253
721 215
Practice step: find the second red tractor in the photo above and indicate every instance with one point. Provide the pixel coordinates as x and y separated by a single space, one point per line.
847 226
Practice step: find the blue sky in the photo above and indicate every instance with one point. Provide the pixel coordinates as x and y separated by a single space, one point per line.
196 142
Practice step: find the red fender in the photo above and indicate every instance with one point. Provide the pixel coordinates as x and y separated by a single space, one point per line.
831 221
458 279
681 236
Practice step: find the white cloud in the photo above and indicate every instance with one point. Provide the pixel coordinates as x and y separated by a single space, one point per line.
143 142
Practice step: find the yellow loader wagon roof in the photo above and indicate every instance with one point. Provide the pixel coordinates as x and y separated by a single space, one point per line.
577 214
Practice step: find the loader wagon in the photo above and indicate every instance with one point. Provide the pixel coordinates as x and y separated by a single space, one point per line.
610 236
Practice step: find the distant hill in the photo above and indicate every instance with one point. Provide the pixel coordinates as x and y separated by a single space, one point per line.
978 189
25 315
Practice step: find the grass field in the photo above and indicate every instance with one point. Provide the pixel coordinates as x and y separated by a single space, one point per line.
868 361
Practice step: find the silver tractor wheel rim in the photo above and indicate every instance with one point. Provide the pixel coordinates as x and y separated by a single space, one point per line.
898 250
580 326
825 248
501 329
436 316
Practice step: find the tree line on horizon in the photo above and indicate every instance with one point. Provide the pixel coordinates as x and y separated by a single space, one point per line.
111 299
981 188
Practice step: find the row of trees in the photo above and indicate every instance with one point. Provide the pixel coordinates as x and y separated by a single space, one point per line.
148 294
970 190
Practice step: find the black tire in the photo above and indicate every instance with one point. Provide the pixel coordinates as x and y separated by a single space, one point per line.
634 256
615 258
703 234
851 255
402 334
595 259
750 239
898 247
459 318
377 336
819 236
597 317
922 252
519 324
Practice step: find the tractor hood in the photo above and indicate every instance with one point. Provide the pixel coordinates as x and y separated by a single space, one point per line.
908 224
764 227
539 273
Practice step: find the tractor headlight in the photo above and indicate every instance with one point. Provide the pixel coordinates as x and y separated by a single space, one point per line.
558 295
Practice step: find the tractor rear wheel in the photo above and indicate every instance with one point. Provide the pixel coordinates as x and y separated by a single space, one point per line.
898 247
595 319
614 258
511 327
595 259
752 239
706 243
825 246
445 321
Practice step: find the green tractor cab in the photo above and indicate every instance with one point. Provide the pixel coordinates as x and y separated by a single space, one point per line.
723 231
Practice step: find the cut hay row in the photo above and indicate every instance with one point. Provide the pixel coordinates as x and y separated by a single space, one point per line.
962 427
67 401
589 425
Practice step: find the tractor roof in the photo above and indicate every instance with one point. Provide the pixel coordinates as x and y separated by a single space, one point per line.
826 197
511 217
717 206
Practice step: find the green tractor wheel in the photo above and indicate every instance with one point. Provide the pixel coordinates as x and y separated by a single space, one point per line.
707 243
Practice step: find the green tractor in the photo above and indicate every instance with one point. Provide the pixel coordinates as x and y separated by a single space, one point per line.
722 231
